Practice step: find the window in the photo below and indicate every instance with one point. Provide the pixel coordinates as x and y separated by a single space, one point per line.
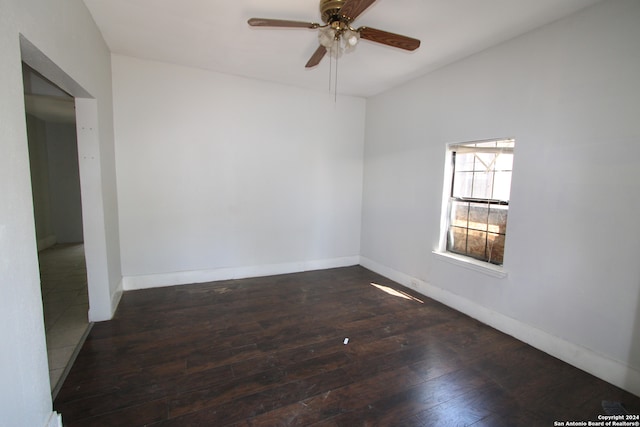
478 201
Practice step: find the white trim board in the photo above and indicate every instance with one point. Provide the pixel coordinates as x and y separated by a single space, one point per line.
612 371
130 283
115 298
55 420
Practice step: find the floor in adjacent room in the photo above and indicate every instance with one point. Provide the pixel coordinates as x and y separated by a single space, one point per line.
63 276
274 352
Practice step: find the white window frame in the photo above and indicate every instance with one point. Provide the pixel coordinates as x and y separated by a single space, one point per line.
441 252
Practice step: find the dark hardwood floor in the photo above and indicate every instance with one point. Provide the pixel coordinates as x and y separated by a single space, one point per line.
270 352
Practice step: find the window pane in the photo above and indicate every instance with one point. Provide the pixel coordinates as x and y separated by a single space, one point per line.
457 240
495 248
502 186
484 162
476 244
459 214
482 185
465 162
498 219
462 184
478 216
504 162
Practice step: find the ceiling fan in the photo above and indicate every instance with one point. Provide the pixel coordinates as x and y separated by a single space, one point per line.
336 34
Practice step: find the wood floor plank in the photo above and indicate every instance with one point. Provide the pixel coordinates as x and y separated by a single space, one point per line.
270 352
138 415
261 402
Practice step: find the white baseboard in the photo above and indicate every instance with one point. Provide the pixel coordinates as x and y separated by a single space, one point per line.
55 420
107 314
115 298
200 276
603 367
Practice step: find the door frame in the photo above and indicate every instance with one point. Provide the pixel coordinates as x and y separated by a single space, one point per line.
101 302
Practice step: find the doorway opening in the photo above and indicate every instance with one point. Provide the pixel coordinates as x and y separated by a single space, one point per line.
55 181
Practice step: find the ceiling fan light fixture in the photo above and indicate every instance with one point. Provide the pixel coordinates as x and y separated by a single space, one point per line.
327 37
338 41
351 39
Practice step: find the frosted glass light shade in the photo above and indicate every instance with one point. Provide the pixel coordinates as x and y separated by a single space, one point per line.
338 42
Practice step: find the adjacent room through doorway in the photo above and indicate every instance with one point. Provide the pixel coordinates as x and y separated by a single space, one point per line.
55 182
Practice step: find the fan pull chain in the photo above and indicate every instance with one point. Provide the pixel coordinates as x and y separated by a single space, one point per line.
335 87
333 82
330 70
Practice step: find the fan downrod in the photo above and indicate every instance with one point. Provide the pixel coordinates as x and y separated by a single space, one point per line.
330 11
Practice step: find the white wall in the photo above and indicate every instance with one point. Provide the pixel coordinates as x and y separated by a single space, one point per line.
569 94
221 176
60 33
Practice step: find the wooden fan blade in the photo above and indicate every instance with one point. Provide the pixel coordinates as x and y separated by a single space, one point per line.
390 39
353 8
316 57
264 22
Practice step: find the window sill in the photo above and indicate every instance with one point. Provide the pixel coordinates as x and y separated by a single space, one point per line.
472 264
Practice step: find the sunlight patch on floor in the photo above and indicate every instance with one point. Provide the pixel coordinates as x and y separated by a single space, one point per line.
396 293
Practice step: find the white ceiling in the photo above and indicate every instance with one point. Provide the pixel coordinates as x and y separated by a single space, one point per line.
214 35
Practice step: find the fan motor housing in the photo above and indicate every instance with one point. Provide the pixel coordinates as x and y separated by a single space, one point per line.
330 10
